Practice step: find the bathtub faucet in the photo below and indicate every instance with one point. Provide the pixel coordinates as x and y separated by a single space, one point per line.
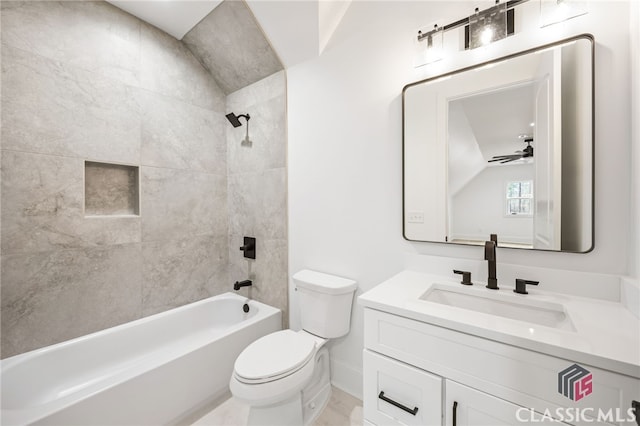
238 284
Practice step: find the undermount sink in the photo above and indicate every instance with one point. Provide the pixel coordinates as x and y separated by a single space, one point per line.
503 305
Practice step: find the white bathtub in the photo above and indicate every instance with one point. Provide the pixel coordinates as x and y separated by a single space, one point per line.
154 371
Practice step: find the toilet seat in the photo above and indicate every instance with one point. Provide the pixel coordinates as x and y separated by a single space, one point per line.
274 356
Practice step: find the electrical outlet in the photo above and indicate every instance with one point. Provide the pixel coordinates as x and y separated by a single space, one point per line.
415 217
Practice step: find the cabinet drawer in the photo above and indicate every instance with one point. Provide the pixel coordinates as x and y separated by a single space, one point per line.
387 381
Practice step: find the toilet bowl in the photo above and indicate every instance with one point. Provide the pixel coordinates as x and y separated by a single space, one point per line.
278 383
284 377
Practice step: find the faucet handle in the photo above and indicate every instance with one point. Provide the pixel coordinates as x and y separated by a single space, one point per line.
466 277
521 285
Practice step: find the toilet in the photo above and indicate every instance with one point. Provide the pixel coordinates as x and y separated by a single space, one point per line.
284 376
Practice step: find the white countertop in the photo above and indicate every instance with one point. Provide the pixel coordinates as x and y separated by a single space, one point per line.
606 334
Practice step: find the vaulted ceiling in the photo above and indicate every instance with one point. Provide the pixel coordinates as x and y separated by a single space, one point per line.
229 43
297 30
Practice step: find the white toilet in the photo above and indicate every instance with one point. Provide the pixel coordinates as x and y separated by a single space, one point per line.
285 376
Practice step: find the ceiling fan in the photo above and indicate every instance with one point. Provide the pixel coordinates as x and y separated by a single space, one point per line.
525 153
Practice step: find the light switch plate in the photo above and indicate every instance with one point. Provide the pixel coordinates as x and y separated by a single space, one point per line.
415 217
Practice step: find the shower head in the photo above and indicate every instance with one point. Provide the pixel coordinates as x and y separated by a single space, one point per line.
234 119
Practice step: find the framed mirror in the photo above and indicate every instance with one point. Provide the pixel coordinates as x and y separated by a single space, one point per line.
504 147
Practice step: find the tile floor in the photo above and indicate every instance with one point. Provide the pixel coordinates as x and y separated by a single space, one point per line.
342 410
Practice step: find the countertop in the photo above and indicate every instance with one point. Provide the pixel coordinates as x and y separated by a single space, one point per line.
604 334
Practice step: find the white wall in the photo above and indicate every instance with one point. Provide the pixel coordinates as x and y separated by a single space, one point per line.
634 242
479 209
465 160
576 194
345 167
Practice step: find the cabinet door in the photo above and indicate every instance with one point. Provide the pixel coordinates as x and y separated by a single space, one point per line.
399 394
468 407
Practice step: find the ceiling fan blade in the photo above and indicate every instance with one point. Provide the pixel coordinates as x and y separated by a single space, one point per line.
525 153
502 158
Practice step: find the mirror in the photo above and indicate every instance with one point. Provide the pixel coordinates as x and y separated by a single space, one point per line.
506 148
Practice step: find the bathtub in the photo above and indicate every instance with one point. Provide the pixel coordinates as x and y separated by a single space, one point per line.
156 370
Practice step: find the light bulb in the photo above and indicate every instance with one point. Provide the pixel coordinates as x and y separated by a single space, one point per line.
486 36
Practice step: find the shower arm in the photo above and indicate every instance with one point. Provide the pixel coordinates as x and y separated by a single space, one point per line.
246 117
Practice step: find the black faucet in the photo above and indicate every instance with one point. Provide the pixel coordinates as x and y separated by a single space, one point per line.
490 256
238 284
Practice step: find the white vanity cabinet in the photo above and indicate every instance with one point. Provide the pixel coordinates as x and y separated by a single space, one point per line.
429 400
428 367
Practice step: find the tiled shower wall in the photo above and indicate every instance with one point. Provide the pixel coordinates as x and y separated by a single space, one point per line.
86 81
257 189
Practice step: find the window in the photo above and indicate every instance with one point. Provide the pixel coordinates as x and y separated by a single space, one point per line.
520 198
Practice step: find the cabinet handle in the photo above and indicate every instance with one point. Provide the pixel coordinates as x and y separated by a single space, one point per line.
397 404
455 413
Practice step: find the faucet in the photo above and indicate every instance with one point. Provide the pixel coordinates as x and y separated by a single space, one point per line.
490 256
238 284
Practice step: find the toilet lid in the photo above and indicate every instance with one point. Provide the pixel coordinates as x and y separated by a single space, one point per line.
274 355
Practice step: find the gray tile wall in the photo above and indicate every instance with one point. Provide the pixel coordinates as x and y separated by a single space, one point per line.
232 46
257 189
86 81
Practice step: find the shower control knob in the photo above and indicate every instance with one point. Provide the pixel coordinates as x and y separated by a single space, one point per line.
249 247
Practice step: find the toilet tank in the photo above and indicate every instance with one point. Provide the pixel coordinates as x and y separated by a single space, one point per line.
325 302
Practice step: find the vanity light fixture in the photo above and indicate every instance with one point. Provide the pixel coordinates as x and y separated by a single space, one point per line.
487 26
481 28
432 50
556 11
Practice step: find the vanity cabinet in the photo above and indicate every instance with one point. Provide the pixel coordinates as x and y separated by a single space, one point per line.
428 367
421 396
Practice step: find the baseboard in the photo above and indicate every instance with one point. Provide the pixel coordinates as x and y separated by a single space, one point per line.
346 378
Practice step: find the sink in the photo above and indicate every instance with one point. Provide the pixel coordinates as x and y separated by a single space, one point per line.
510 306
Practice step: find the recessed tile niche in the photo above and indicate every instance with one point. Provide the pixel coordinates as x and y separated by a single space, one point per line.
110 190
